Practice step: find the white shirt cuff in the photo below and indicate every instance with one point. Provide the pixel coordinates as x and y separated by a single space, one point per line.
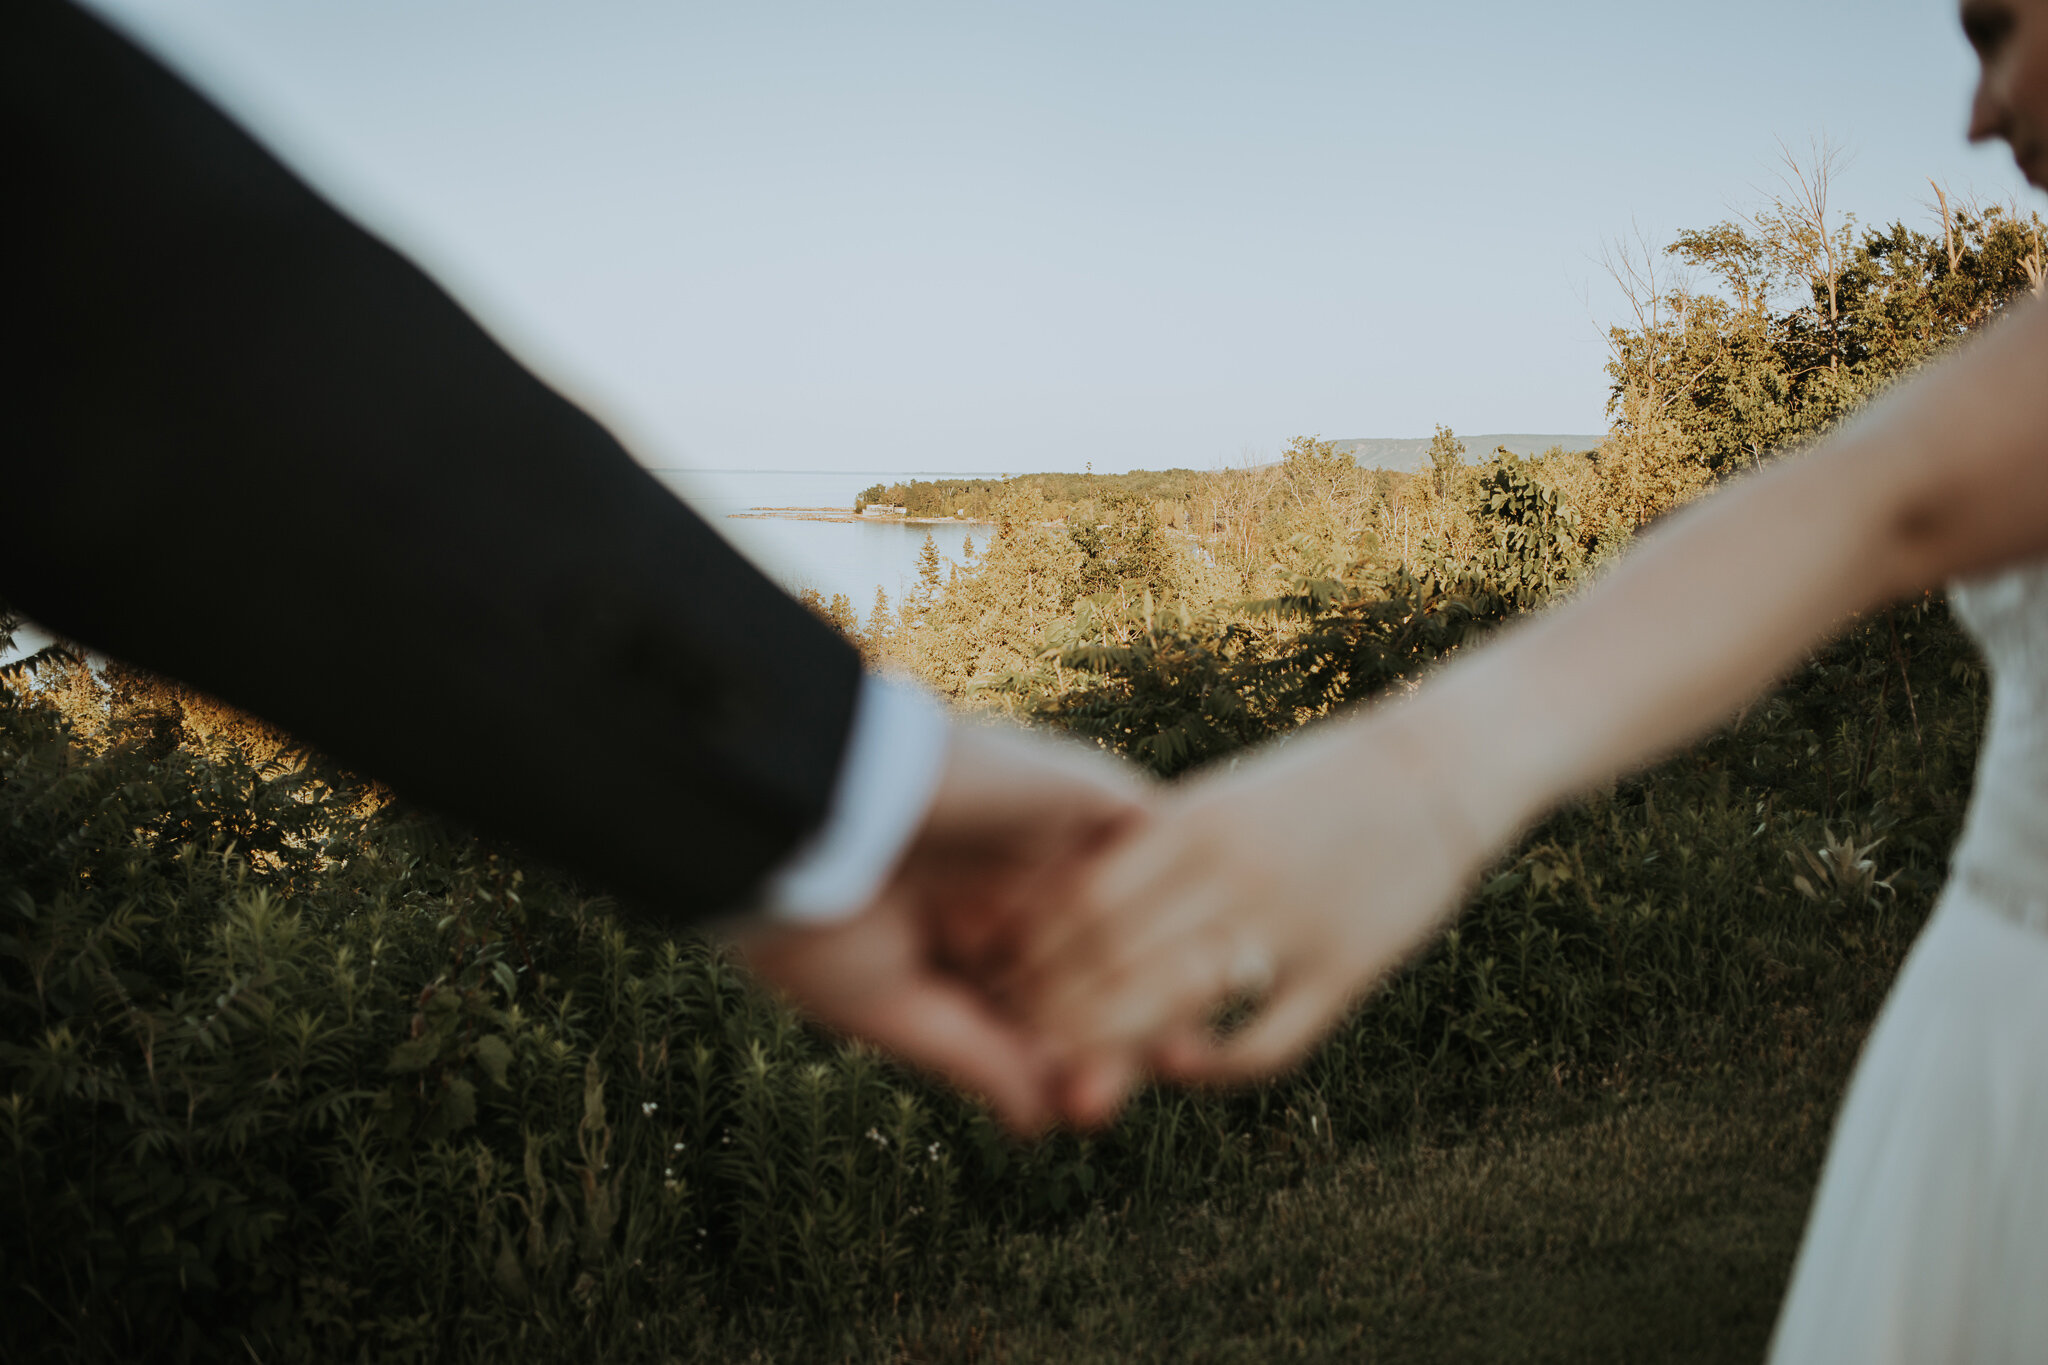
887 777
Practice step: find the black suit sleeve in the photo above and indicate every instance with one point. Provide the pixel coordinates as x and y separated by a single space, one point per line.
252 447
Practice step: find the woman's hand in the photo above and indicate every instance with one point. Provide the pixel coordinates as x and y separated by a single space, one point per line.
1304 876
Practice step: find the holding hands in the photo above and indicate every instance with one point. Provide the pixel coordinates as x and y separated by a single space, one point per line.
1057 929
1015 821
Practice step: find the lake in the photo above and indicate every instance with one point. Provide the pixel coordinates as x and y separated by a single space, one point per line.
851 557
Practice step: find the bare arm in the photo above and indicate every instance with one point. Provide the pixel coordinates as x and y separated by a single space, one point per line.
1946 476
1320 864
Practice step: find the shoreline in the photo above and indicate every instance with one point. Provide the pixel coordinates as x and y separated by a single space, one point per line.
835 514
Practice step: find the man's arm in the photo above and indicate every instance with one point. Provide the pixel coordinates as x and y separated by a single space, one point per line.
258 450
255 448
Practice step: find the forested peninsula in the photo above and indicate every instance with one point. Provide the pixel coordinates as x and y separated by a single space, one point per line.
292 1071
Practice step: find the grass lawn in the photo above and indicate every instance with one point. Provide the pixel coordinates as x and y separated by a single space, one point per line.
1657 1225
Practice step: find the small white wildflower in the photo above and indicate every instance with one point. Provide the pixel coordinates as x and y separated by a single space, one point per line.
877 1138
668 1173
932 1152
679 1147
647 1109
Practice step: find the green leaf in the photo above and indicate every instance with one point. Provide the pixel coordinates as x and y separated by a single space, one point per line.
458 1105
494 1055
417 1055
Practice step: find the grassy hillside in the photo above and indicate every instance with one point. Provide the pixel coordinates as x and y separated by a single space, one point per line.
344 1084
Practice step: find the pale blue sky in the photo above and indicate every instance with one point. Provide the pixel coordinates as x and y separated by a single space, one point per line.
1026 236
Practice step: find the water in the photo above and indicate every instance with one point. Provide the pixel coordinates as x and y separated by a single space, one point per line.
850 557
853 557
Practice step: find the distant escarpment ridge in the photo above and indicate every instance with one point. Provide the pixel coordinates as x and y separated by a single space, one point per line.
1410 453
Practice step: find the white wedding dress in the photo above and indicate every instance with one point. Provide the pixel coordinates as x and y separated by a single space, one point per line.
1929 1235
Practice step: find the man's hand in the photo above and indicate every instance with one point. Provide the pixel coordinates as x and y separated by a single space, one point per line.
1015 821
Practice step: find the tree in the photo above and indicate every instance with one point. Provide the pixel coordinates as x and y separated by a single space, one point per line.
929 582
881 622
1122 550
1446 459
1808 321
987 624
1648 465
1234 515
837 613
1733 256
1800 236
1535 550
1328 505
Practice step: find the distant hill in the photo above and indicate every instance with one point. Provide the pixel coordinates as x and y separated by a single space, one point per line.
1408 453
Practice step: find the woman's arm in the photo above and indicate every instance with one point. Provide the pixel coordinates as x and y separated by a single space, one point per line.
1946 476
1321 864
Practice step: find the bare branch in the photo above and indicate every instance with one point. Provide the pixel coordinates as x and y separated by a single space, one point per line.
1799 230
